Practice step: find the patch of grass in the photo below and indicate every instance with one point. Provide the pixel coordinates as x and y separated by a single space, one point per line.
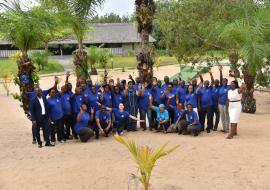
11 66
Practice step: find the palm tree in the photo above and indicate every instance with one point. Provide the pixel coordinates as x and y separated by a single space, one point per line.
145 10
24 28
76 14
248 38
145 158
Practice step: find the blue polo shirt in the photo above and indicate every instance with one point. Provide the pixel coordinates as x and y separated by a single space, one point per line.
172 100
87 90
178 114
156 94
55 108
65 102
83 123
223 94
117 98
164 86
92 101
161 116
193 117
76 103
206 97
144 100
215 94
107 99
120 116
181 92
103 118
192 99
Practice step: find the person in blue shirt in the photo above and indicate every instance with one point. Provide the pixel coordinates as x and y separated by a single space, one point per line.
162 121
144 103
157 92
170 101
181 92
117 97
205 105
103 122
77 99
192 125
166 83
106 96
192 98
222 103
56 117
93 99
121 118
179 116
215 94
65 98
131 104
175 85
81 127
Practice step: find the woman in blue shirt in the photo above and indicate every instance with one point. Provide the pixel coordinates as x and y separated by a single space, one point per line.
191 98
56 117
192 125
81 127
121 118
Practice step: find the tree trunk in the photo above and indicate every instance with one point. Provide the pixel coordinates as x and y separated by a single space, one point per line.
81 65
248 101
25 81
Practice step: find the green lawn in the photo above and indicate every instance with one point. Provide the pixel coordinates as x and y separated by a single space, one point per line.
7 65
120 62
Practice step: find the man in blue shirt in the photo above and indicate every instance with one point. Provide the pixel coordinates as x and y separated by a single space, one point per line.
192 98
93 99
103 121
181 92
117 97
205 105
179 116
192 125
222 103
162 120
166 83
144 103
56 117
106 97
170 101
215 94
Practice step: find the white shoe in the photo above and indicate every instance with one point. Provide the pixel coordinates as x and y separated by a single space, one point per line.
62 141
122 133
53 143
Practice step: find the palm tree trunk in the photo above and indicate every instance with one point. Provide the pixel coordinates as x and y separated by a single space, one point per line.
80 61
25 79
248 100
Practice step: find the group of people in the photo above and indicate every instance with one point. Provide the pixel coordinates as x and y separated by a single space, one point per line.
112 107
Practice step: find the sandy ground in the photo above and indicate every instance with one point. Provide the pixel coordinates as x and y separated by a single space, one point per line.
208 162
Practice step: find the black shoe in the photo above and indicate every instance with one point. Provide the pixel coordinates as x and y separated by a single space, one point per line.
208 130
196 134
34 142
180 132
39 145
143 129
49 145
97 136
215 129
75 137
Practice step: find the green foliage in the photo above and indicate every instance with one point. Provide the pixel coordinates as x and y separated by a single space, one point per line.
111 18
39 59
145 158
7 78
104 56
93 55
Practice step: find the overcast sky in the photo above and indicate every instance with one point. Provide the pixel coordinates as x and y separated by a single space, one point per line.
121 7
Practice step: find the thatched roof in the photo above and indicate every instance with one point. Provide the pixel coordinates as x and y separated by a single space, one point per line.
106 33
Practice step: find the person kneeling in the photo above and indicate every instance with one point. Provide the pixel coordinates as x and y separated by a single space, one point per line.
103 122
192 125
162 120
81 127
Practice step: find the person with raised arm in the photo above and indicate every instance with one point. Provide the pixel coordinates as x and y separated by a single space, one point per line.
170 101
234 106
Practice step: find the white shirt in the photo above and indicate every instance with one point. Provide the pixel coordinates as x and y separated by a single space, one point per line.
233 95
42 105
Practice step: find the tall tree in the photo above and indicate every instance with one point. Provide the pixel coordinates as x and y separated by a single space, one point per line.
76 14
24 27
145 10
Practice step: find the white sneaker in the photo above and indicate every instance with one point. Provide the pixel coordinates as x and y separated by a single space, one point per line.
53 143
122 133
62 141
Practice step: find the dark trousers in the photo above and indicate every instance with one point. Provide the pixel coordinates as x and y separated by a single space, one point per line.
143 114
58 128
206 112
103 126
67 121
119 126
171 115
44 124
185 128
74 121
85 134
163 126
215 111
132 124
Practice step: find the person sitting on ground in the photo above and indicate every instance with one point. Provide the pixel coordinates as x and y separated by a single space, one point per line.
162 119
121 118
81 127
180 117
103 122
192 125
